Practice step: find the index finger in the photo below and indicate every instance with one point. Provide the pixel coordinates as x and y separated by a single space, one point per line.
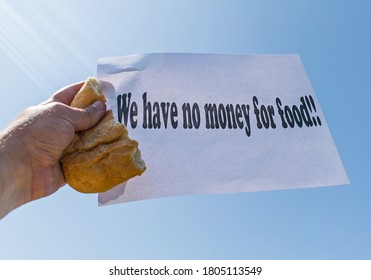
65 95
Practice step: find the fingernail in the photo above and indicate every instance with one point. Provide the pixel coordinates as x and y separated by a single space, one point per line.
99 105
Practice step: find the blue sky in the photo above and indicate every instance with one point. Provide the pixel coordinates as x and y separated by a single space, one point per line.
49 44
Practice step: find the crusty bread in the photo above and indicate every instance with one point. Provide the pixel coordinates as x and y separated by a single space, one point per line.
104 156
90 92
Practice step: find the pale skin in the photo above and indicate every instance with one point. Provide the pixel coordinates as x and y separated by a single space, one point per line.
31 146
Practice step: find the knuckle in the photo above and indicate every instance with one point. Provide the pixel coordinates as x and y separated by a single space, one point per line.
56 108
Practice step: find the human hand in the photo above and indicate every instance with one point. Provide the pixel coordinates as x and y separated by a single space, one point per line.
33 144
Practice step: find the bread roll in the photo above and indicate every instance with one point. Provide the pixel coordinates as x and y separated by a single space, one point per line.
90 92
104 156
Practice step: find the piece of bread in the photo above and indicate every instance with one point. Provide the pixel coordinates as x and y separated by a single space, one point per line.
90 92
104 156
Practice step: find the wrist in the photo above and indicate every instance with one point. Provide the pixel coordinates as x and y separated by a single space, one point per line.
13 172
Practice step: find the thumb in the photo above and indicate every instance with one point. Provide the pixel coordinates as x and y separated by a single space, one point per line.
83 119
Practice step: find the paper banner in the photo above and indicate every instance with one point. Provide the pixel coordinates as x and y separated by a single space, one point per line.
210 123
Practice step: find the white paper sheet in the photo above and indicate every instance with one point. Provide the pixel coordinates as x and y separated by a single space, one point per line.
212 123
